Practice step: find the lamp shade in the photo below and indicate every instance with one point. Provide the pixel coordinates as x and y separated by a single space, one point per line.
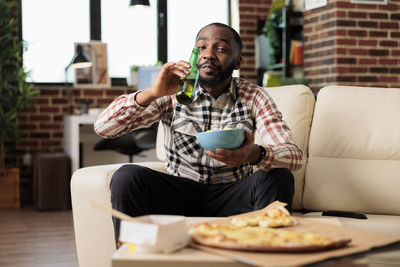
145 3
80 59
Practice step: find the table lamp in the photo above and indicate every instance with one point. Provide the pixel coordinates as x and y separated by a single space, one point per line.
79 60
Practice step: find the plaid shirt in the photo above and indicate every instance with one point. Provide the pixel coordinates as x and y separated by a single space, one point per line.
245 105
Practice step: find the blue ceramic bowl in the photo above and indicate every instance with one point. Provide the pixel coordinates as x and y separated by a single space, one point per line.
227 139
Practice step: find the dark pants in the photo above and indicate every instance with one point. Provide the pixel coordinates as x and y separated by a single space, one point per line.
137 190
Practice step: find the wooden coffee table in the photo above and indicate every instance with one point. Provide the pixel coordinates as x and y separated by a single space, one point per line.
124 257
191 257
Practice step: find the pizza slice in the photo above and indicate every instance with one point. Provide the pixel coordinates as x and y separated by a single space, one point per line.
276 217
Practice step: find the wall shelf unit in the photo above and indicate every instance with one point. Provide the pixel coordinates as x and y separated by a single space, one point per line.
291 29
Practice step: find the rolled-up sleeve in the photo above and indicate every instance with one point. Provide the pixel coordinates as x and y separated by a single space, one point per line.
124 115
277 138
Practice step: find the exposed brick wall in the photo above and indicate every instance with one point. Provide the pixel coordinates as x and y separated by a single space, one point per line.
41 127
352 44
249 12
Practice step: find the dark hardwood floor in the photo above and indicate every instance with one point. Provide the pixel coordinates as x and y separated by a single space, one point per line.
30 238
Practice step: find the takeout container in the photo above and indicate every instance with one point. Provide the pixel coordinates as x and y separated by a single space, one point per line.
155 233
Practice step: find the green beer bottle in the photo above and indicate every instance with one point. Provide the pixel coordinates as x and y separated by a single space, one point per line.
186 87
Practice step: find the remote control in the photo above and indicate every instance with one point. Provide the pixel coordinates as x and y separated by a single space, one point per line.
349 214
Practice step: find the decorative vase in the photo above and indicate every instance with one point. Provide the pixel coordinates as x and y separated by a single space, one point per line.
134 78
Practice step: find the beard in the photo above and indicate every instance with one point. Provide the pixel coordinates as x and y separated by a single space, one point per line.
222 77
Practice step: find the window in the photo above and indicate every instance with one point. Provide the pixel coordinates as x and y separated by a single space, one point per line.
130 34
50 29
184 24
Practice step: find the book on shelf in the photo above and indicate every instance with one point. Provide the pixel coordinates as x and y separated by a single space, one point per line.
296 52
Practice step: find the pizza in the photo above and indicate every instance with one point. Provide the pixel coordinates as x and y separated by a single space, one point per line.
276 217
256 238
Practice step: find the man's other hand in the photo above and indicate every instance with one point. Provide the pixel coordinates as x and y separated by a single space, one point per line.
247 152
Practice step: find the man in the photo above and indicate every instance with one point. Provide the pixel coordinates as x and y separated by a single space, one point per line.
199 182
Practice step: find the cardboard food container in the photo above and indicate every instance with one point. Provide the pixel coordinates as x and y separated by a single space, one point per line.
155 233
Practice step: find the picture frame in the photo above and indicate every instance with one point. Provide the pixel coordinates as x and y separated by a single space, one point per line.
97 75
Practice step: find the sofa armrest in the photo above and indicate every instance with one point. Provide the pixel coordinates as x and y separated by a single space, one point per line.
94 232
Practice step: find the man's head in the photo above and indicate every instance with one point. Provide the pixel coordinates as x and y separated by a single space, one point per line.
220 53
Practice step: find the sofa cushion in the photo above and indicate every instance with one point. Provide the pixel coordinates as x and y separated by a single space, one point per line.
354 151
296 103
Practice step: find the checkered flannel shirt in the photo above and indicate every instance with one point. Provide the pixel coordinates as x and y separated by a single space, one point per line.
245 105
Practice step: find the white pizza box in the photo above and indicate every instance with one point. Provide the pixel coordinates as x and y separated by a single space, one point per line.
155 233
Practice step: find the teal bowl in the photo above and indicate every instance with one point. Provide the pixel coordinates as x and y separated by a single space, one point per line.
226 139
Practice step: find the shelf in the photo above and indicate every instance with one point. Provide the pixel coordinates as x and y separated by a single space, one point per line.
291 28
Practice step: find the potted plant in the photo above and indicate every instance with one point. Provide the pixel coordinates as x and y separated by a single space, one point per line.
15 95
274 35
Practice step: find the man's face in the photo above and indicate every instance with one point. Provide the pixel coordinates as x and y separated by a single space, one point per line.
219 55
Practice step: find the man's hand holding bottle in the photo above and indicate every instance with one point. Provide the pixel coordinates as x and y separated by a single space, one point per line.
174 78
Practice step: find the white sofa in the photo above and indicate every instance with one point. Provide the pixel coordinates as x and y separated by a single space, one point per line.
350 137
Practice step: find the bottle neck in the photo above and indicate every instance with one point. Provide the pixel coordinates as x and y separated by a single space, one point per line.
193 62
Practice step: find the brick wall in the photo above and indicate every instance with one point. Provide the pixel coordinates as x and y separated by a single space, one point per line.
41 127
353 44
249 12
